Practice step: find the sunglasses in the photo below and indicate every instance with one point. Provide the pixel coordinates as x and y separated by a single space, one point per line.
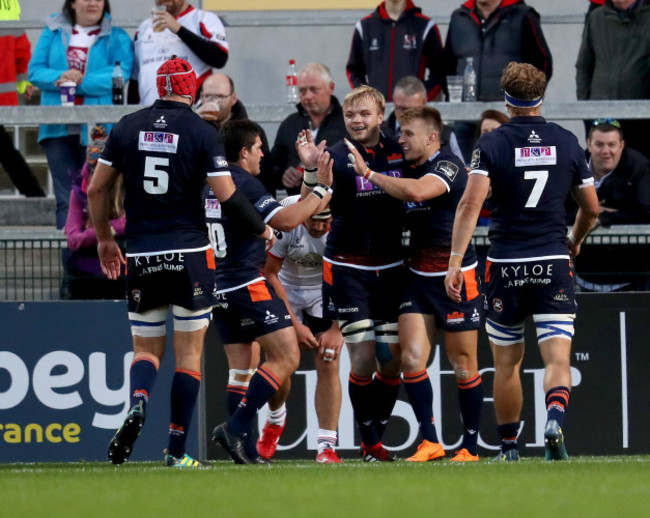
609 122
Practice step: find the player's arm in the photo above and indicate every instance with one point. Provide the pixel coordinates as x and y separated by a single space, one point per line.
406 189
314 202
309 154
271 269
587 199
465 220
236 205
99 198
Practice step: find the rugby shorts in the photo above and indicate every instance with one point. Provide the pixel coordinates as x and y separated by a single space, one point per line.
248 312
537 287
185 279
427 295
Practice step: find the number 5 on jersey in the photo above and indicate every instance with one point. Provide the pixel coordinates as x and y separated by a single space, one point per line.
156 181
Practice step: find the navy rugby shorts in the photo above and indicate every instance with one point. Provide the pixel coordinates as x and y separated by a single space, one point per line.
426 295
251 311
183 279
537 287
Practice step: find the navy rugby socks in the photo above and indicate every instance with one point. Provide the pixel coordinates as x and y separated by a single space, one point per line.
185 389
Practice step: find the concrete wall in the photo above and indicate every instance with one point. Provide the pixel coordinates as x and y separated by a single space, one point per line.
259 54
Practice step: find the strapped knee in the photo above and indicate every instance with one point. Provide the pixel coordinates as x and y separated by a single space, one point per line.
386 332
357 331
233 373
500 334
187 320
150 324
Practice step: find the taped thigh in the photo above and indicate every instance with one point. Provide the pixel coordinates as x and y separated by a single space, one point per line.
357 331
500 334
150 324
554 326
187 320
386 332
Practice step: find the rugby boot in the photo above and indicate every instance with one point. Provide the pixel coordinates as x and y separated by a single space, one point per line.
268 441
554 448
426 451
376 453
511 455
121 445
328 456
463 455
184 462
234 444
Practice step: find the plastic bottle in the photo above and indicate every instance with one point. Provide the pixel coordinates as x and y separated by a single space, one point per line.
292 83
469 82
118 84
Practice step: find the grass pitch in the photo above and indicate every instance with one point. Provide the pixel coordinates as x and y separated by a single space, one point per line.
582 487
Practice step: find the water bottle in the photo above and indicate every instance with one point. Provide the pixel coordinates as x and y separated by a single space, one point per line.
292 83
469 82
118 84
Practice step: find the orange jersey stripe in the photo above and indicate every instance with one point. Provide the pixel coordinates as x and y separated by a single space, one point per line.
471 284
488 265
209 255
327 273
259 292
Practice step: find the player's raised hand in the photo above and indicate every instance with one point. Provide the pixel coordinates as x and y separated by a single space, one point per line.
355 158
324 174
307 150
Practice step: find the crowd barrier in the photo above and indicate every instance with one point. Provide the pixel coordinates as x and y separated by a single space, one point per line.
64 388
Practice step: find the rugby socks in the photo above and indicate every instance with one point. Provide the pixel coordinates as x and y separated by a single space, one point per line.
557 399
262 386
234 397
470 396
508 433
420 394
142 376
326 440
185 389
385 391
361 396
277 417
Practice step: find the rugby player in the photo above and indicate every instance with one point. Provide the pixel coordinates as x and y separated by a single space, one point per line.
294 267
248 308
530 165
431 189
165 153
362 265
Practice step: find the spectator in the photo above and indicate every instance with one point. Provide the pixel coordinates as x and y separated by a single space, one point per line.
395 41
83 278
80 45
218 95
194 35
15 52
410 92
491 120
594 4
621 176
493 32
613 60
320 111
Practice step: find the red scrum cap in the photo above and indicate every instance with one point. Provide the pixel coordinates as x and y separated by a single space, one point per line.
176 76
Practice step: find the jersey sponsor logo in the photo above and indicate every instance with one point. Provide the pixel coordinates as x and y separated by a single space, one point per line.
136 295
270 318
447 168
410 206
534 138
476 317
561 297
161 123
497 305
455 318
476 159
159 141
212 208
410 42
364 186
539 155
220 161
263 202
395 157
374 45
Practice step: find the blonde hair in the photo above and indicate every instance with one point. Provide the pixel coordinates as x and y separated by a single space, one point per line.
365 92
429 115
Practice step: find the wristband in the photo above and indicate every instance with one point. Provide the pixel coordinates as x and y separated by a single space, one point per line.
309 178
270 234
572 238
368 174
320 191
455 254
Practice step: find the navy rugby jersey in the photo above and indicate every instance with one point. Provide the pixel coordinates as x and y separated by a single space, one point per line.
239 253
367 222
431 222
532 166
165 152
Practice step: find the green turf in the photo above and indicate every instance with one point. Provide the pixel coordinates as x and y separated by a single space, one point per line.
616 487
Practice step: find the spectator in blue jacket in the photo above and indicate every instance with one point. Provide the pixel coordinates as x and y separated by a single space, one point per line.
80 45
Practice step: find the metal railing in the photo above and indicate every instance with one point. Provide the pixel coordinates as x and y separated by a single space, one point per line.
31 266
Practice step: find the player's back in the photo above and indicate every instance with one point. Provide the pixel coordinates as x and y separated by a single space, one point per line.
532 166
164 152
